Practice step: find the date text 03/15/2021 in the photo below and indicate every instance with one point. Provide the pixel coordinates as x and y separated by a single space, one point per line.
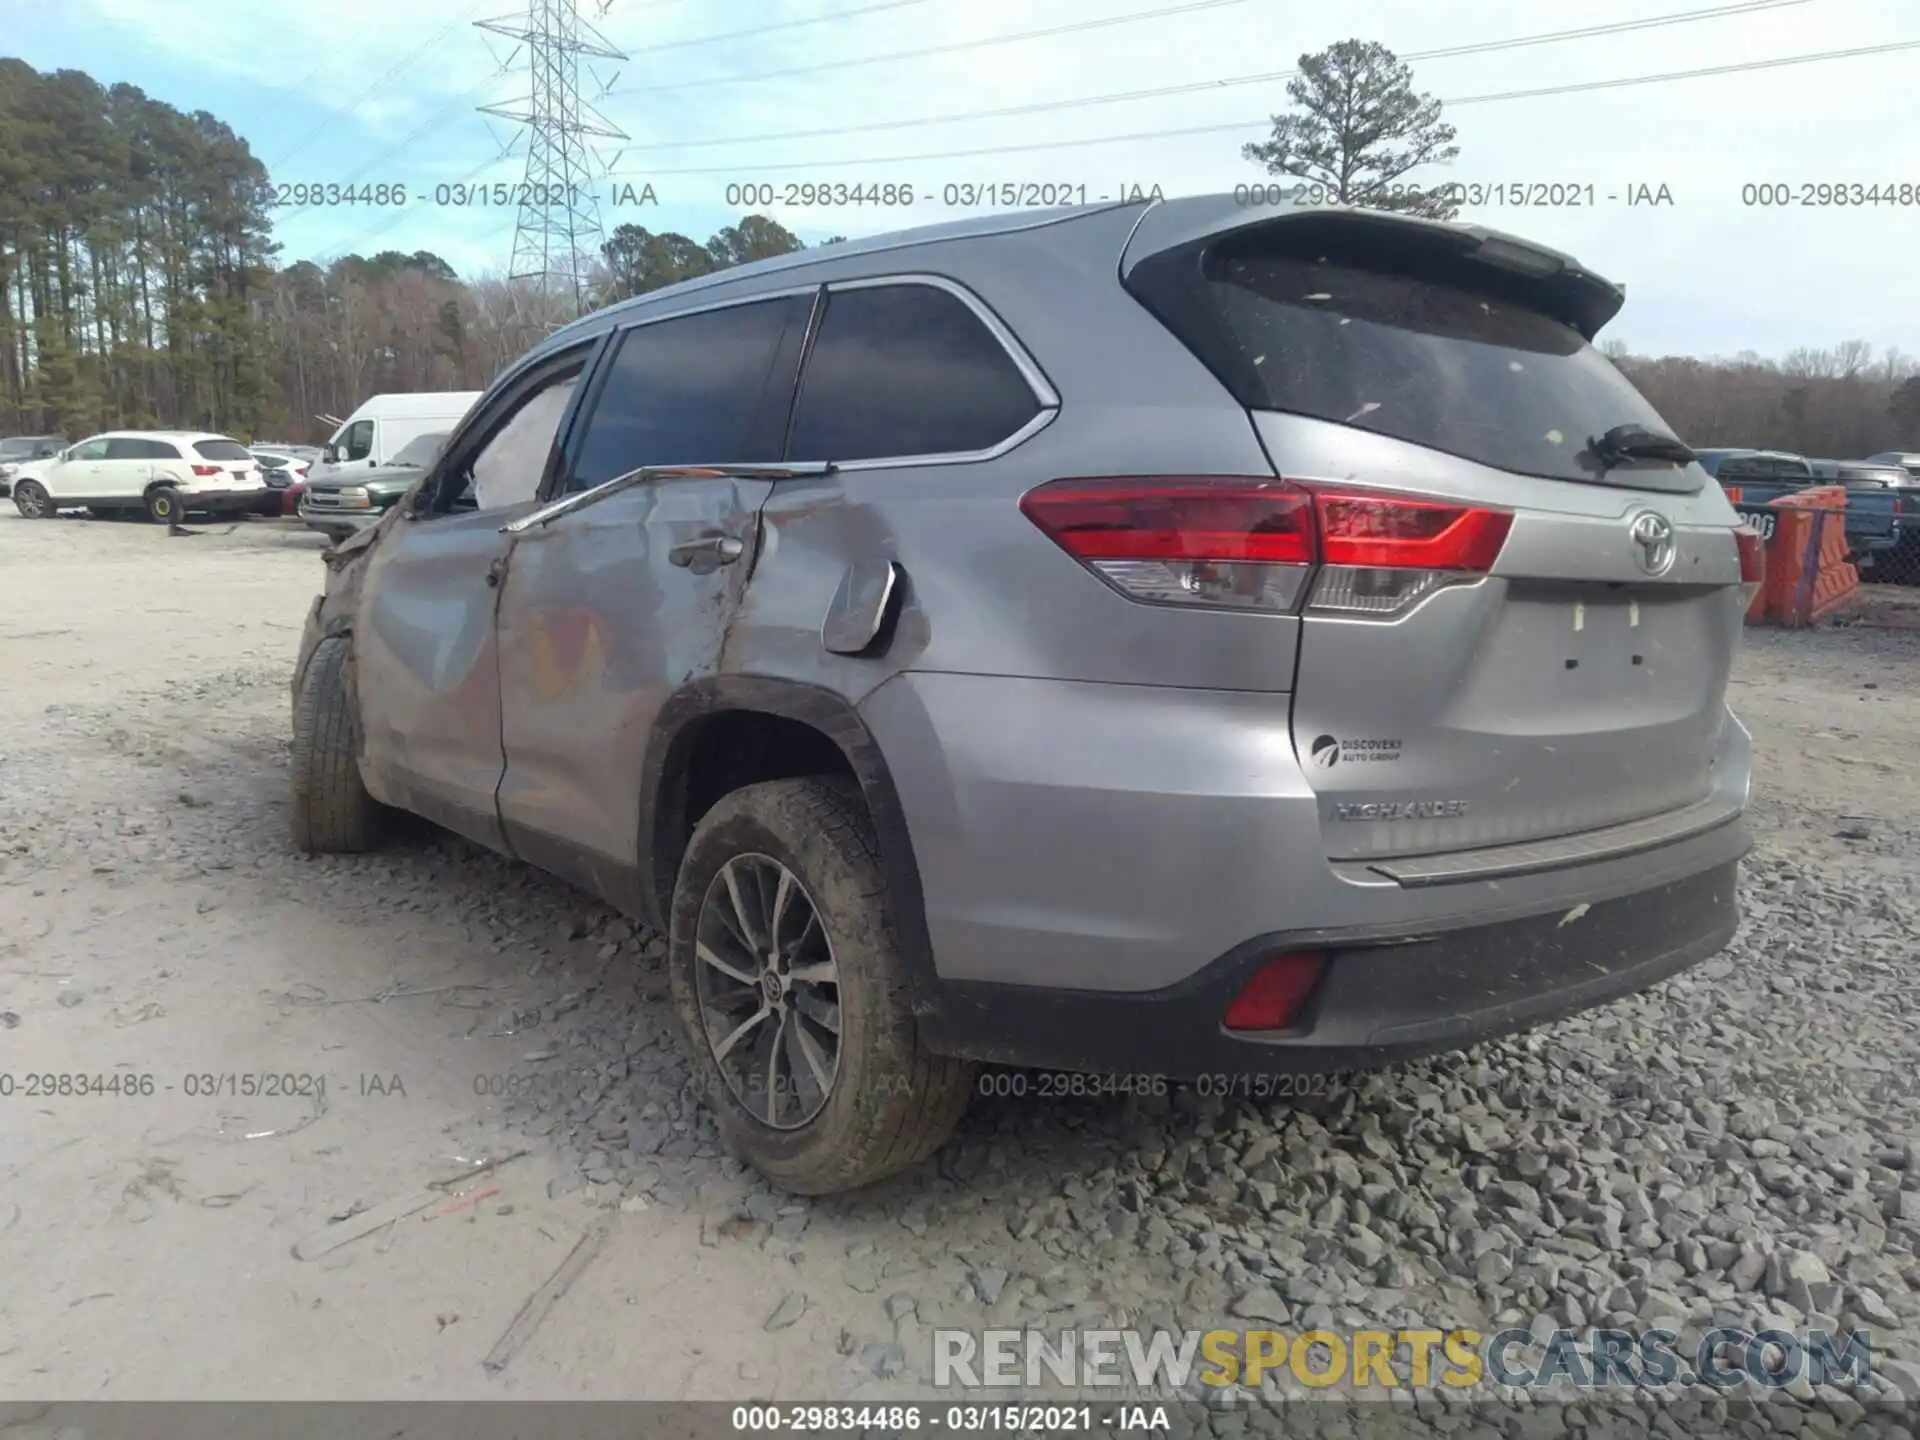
196 1084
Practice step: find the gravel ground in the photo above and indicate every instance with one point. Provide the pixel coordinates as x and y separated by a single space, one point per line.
1739 1146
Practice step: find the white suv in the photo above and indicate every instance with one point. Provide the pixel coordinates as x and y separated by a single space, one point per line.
165 473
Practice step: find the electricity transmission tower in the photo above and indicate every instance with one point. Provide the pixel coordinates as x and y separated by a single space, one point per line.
557 235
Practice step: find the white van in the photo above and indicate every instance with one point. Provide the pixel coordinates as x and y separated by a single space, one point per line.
381 428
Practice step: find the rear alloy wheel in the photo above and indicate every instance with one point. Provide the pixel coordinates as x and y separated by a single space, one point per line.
30 498
163 505
792 995
332 811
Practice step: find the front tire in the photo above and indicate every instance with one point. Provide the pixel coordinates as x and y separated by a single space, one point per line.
331 811
793 997
30 498
164 507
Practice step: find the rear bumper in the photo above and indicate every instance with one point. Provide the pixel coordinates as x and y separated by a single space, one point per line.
1100 868
1377 1003
338 524
222 502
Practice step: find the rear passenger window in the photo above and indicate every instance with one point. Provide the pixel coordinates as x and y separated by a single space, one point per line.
126 450
711 388
906 370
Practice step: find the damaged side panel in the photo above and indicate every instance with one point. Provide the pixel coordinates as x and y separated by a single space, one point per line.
334 607
606 612
426 667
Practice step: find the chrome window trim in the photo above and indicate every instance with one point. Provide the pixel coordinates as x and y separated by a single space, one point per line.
730 304
954 457
1043 392
646 474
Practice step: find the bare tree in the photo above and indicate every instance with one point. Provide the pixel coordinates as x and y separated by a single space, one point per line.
1359 130
1836 401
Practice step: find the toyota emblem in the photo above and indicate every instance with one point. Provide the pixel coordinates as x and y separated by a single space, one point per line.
1653 546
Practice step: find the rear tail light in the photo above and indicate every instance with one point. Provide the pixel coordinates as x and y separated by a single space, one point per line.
206 469
1241 544
1273 997
1246 543
1753 560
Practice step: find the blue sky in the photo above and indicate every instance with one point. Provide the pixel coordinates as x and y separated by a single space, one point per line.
384 91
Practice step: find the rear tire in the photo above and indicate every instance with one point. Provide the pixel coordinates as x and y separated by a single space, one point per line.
332 813
30 498
163 505
889 1103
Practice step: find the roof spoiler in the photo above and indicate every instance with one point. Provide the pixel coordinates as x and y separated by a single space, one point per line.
1556 283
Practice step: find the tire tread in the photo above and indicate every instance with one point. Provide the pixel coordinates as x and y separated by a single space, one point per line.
920 1098
331 811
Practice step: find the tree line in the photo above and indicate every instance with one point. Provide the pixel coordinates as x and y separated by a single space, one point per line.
140 285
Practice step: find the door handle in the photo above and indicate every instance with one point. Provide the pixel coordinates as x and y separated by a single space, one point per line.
704 553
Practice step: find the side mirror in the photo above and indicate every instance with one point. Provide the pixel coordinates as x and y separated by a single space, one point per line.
330 455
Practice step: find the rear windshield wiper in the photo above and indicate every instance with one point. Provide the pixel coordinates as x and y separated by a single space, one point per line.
1636 442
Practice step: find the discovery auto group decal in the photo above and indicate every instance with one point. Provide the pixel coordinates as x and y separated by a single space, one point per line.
1328 751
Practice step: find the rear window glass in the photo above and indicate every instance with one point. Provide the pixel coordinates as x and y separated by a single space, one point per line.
222 450
1367 343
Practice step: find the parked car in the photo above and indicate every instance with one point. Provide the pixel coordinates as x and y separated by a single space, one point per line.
167 474
339 506
920 633
379 430
1759 477
282 473
309 453
17 450
1900 564
1907 460
1739 467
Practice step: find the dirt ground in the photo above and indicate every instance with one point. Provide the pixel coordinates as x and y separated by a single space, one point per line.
156 928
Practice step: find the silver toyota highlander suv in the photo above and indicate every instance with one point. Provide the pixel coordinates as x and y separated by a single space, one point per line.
1161 639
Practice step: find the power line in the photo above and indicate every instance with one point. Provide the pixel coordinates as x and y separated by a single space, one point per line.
360 237
461 105
1618 27
1266 121
780 25
948 49
558 232
466 10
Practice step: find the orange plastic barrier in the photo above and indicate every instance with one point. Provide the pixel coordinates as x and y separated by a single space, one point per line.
1807 570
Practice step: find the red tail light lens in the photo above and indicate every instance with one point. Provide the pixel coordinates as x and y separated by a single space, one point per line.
1272 998
1251 543
206 469
1264 521
1229 542
1390 532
